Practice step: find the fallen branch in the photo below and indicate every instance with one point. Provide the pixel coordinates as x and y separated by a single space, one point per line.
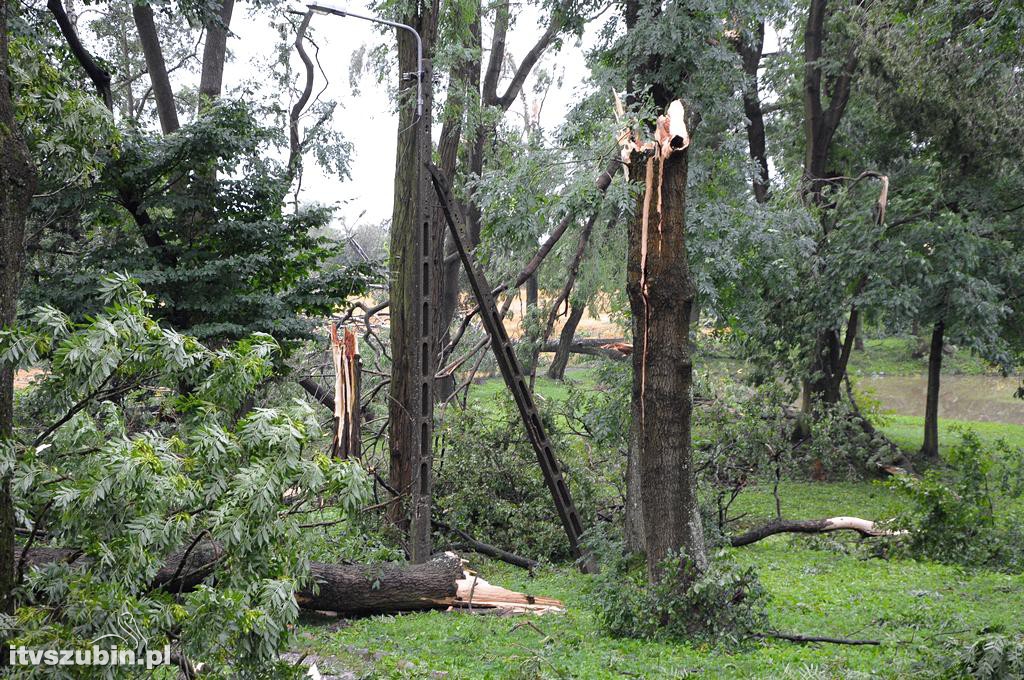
814 638
321 394
864 527
611 348
471 543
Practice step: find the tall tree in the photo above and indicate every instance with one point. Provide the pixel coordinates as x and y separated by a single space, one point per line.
17 184
821 120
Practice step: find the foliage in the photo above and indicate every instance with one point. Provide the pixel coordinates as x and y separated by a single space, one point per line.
220 254
954 516
488 481
136 441
993 656
725 602
743 437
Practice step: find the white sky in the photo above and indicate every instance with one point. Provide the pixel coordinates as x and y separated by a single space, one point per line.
367 118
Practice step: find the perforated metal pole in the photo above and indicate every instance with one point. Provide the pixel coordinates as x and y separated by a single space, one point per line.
422 286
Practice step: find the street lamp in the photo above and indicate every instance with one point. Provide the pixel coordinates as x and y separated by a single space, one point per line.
337 11
416 267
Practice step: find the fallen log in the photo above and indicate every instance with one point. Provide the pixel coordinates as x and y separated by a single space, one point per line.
440 583
610 349
352 589
792 637
864 527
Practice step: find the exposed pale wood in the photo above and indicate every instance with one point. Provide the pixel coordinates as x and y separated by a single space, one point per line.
475 592
864 527
440 583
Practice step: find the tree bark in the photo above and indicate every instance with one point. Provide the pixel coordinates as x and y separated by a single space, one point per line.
351 589
930 448
750 54
211 78
557 369
463 92
99 76
633 525
149 37
17 184
661 292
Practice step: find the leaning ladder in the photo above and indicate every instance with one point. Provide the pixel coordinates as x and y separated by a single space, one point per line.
512 372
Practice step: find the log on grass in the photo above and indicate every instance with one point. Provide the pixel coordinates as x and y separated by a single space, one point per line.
382 588
350 589
608 348
864 527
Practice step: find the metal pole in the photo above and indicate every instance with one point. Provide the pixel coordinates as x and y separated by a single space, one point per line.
423 280
338 11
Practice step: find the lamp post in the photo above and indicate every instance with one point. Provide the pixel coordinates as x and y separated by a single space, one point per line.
415 271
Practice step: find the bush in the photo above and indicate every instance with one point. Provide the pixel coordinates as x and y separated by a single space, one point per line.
992 655
954 514
137 441
487 480
726 602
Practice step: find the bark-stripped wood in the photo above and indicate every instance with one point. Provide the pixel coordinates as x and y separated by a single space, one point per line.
864 527
345 357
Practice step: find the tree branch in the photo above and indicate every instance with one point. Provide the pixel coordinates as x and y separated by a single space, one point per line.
99 76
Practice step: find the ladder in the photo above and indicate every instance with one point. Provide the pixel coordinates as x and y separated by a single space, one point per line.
512 372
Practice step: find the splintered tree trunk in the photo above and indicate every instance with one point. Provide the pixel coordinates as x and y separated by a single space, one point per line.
561 360
930 449
661 293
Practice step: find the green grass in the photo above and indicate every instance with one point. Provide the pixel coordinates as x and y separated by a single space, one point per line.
893 356
911 607
908 431
817 585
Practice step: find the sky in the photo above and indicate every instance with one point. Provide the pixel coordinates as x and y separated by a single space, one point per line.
367 118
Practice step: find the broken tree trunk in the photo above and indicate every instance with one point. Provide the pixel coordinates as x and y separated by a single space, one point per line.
347 588
347 370
661 294
864 527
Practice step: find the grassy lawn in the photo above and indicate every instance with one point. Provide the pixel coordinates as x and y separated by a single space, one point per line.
893 356
817 586
912 607
908 431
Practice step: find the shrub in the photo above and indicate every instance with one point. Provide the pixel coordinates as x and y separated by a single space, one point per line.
991 655
487 480
954 513
137 441
725 602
